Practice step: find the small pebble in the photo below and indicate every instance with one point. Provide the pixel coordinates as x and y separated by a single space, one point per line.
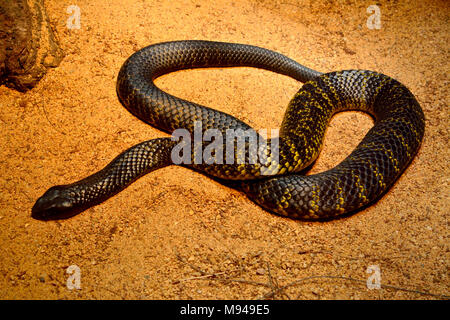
260 271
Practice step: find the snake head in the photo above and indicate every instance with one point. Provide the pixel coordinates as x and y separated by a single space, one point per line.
55 203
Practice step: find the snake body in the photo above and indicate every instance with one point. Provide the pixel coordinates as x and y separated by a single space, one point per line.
275 184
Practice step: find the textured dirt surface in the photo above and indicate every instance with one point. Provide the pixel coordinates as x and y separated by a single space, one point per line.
175 234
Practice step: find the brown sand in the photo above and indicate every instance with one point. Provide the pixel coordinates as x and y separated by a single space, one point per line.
164 236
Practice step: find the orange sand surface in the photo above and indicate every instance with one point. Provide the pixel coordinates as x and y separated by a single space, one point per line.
175 234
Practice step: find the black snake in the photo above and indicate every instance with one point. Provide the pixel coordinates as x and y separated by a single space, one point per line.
273 180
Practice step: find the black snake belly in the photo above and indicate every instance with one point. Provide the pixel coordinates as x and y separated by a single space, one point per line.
272 182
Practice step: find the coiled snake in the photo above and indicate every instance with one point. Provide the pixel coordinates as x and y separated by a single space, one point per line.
272 181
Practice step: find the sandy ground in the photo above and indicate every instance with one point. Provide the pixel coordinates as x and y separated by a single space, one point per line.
175 234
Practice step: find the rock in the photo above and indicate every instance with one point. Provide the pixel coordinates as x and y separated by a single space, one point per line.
28 46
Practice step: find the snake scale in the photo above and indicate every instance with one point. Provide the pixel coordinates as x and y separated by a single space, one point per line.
274 181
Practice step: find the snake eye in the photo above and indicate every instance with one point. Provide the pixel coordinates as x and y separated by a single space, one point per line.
54 204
